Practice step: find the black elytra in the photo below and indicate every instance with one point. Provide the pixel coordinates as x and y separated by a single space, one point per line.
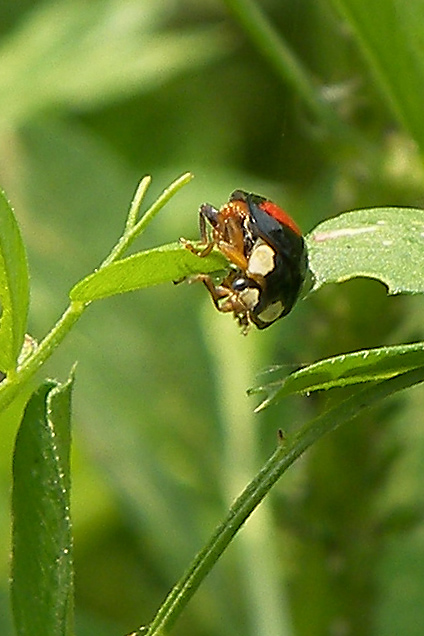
284 282
246 229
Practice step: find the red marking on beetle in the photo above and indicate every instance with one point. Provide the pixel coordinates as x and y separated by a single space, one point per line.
279 215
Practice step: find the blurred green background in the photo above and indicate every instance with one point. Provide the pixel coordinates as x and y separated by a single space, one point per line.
94 95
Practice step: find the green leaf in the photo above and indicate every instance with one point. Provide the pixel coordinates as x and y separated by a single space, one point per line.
292 448
382 243
164 264
390 34
369 365
14 287
42 576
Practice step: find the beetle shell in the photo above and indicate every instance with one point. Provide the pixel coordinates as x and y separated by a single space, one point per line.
268 256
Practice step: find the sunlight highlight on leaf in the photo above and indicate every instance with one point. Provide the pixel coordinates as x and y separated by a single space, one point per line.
382 243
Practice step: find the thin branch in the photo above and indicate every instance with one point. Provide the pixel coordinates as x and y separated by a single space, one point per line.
287 452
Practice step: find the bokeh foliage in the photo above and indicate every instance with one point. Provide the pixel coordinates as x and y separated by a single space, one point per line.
93 96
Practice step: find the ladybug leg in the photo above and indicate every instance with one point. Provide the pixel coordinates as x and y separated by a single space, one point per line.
223 297
202 227
226 300
199 251
231 252
217 292
235 234
234 255
231 243
206 213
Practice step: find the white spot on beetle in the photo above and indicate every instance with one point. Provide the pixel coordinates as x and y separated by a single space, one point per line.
250 297
261 259
272 312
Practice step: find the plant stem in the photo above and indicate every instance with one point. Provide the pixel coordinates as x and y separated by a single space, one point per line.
11 386
166 195
9 389
133 229
233 370
137 201
289 68
129 235
277 464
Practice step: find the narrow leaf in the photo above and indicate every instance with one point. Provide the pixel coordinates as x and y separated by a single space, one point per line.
164 264
370 365
390 34
382 243
293 447
14 287
42 583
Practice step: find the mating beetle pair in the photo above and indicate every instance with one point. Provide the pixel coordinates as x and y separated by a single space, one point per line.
267 253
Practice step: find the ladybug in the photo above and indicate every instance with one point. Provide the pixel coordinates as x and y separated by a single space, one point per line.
267 254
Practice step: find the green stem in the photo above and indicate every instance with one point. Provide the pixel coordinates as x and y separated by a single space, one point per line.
133 229
137 201
166 195
285 63
260 579
277 464
9 389
129 233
